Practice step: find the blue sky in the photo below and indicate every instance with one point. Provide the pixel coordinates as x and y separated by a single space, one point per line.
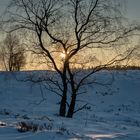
132 8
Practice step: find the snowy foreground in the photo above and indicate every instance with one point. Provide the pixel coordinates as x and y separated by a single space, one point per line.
112 112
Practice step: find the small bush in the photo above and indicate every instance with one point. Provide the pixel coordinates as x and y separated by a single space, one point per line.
25 127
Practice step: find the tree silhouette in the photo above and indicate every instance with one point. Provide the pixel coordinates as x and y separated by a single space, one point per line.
74 28
12 54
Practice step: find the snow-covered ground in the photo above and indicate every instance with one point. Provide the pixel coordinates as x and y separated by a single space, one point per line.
112 113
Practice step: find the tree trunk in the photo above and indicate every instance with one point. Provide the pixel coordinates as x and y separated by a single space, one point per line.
62 110
72 106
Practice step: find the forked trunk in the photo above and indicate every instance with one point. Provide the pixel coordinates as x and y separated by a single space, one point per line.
62 110
72 106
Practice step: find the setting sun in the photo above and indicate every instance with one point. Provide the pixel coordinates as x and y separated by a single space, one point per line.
63 55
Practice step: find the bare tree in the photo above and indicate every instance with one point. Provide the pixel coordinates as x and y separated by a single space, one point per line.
67 31
12 54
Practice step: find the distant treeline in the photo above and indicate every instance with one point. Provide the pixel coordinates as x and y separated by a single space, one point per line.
122 68
116 67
